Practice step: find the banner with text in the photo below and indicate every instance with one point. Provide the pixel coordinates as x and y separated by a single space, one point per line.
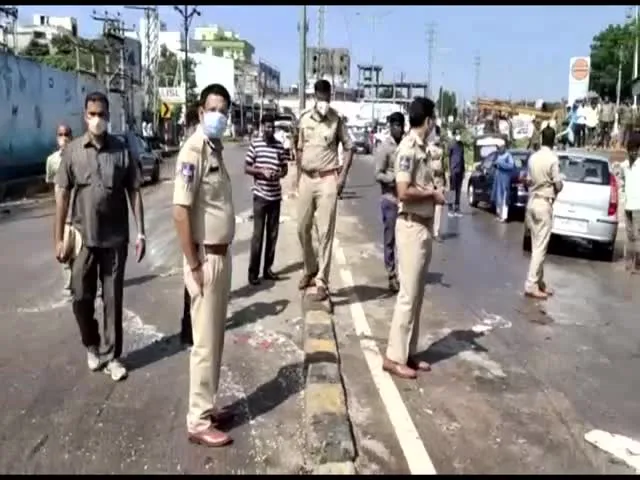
171 94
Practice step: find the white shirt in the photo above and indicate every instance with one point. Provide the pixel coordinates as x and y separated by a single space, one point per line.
631 185
581 116
591 115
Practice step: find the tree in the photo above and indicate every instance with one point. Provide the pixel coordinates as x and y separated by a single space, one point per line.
168 69
446 103
67 53
614 43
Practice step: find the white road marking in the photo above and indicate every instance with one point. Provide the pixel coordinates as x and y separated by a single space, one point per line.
624 448
413 448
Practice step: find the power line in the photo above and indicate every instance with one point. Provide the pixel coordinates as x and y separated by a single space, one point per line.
151 58
431 44
187 16
303 27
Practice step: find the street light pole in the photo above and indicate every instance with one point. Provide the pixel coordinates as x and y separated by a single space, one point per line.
187 16
635 52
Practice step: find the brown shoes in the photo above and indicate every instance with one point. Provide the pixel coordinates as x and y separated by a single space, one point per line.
307 281
536 294
210 437
398 369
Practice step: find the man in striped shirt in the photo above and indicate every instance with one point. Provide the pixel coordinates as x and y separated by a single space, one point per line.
266 162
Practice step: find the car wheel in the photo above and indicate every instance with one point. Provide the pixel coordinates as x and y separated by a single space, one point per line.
604 251
471 196
155 174
526 240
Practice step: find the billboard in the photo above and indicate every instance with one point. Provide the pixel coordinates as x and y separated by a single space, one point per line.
579 73
171 94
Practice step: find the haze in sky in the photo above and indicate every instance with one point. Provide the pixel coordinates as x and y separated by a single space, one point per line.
524 50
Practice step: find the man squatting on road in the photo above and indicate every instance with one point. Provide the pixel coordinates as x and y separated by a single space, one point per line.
545 183
98 174
205 223
63 137
417 197
322 180
385 161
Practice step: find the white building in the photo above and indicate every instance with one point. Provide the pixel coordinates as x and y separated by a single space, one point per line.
43 29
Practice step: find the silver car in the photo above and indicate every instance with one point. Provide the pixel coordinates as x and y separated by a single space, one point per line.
587 206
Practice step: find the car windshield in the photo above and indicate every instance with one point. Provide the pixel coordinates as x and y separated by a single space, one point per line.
584 170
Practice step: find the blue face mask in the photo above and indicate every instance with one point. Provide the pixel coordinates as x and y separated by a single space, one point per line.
214 124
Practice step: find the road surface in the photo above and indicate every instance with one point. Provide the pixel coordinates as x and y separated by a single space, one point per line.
57 417
515 384
514 388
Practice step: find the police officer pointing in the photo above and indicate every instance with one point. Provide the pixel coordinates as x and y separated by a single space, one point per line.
321 182
417 197
544 185
205 222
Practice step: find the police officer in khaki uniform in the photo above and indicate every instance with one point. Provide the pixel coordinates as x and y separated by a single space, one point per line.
205 223
440 176
63 137
417 197
322 179
544 185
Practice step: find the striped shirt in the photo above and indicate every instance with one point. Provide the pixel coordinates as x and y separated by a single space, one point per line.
270 156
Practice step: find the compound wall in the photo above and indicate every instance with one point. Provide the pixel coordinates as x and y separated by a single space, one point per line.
34 99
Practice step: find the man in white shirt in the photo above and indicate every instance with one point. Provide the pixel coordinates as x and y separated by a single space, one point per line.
581 124
631 187
591 120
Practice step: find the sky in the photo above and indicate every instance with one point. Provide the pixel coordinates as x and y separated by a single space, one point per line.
524 50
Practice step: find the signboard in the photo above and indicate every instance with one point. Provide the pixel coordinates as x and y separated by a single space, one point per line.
579 72
165 110
171 94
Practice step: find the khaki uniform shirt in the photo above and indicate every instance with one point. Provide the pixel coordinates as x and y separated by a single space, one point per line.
438 165
203 184
413 165
53 163
544 172
385 162
318 139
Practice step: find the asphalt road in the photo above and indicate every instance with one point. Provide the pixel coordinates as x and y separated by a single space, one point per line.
57 417
516 384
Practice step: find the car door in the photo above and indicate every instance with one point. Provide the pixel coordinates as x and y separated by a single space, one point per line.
485 177
147 160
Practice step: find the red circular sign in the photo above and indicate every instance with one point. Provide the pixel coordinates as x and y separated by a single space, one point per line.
580 69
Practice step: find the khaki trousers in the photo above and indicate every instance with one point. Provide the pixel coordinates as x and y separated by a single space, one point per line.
317 198
437 220
539 220
208 317
414 243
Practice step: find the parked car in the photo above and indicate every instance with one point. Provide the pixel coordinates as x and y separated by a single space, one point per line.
361 140
481 180
140 152
587 206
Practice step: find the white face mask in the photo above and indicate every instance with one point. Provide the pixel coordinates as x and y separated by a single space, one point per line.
97 125
62 142
457 137
322 107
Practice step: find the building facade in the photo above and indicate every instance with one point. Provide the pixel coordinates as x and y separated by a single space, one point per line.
224 43
42 30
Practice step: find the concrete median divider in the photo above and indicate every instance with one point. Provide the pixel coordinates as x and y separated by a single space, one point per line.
330 442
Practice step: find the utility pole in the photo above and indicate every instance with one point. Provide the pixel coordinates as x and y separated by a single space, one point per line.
303 28
431 45
476 66
8 19
113 30
187 15
321 15
151 57
635 52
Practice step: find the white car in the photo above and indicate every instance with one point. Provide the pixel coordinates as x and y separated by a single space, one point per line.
587 206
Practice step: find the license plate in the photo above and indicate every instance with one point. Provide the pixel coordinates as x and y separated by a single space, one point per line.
568 225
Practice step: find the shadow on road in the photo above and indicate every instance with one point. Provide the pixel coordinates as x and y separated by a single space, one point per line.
154 352
289 381
449 346
364 293
256 311
435 278
130 282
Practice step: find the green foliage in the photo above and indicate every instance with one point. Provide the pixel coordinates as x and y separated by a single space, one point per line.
446 103
168 69
614 43
68 54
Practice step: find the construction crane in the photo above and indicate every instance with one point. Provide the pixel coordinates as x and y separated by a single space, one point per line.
150 36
